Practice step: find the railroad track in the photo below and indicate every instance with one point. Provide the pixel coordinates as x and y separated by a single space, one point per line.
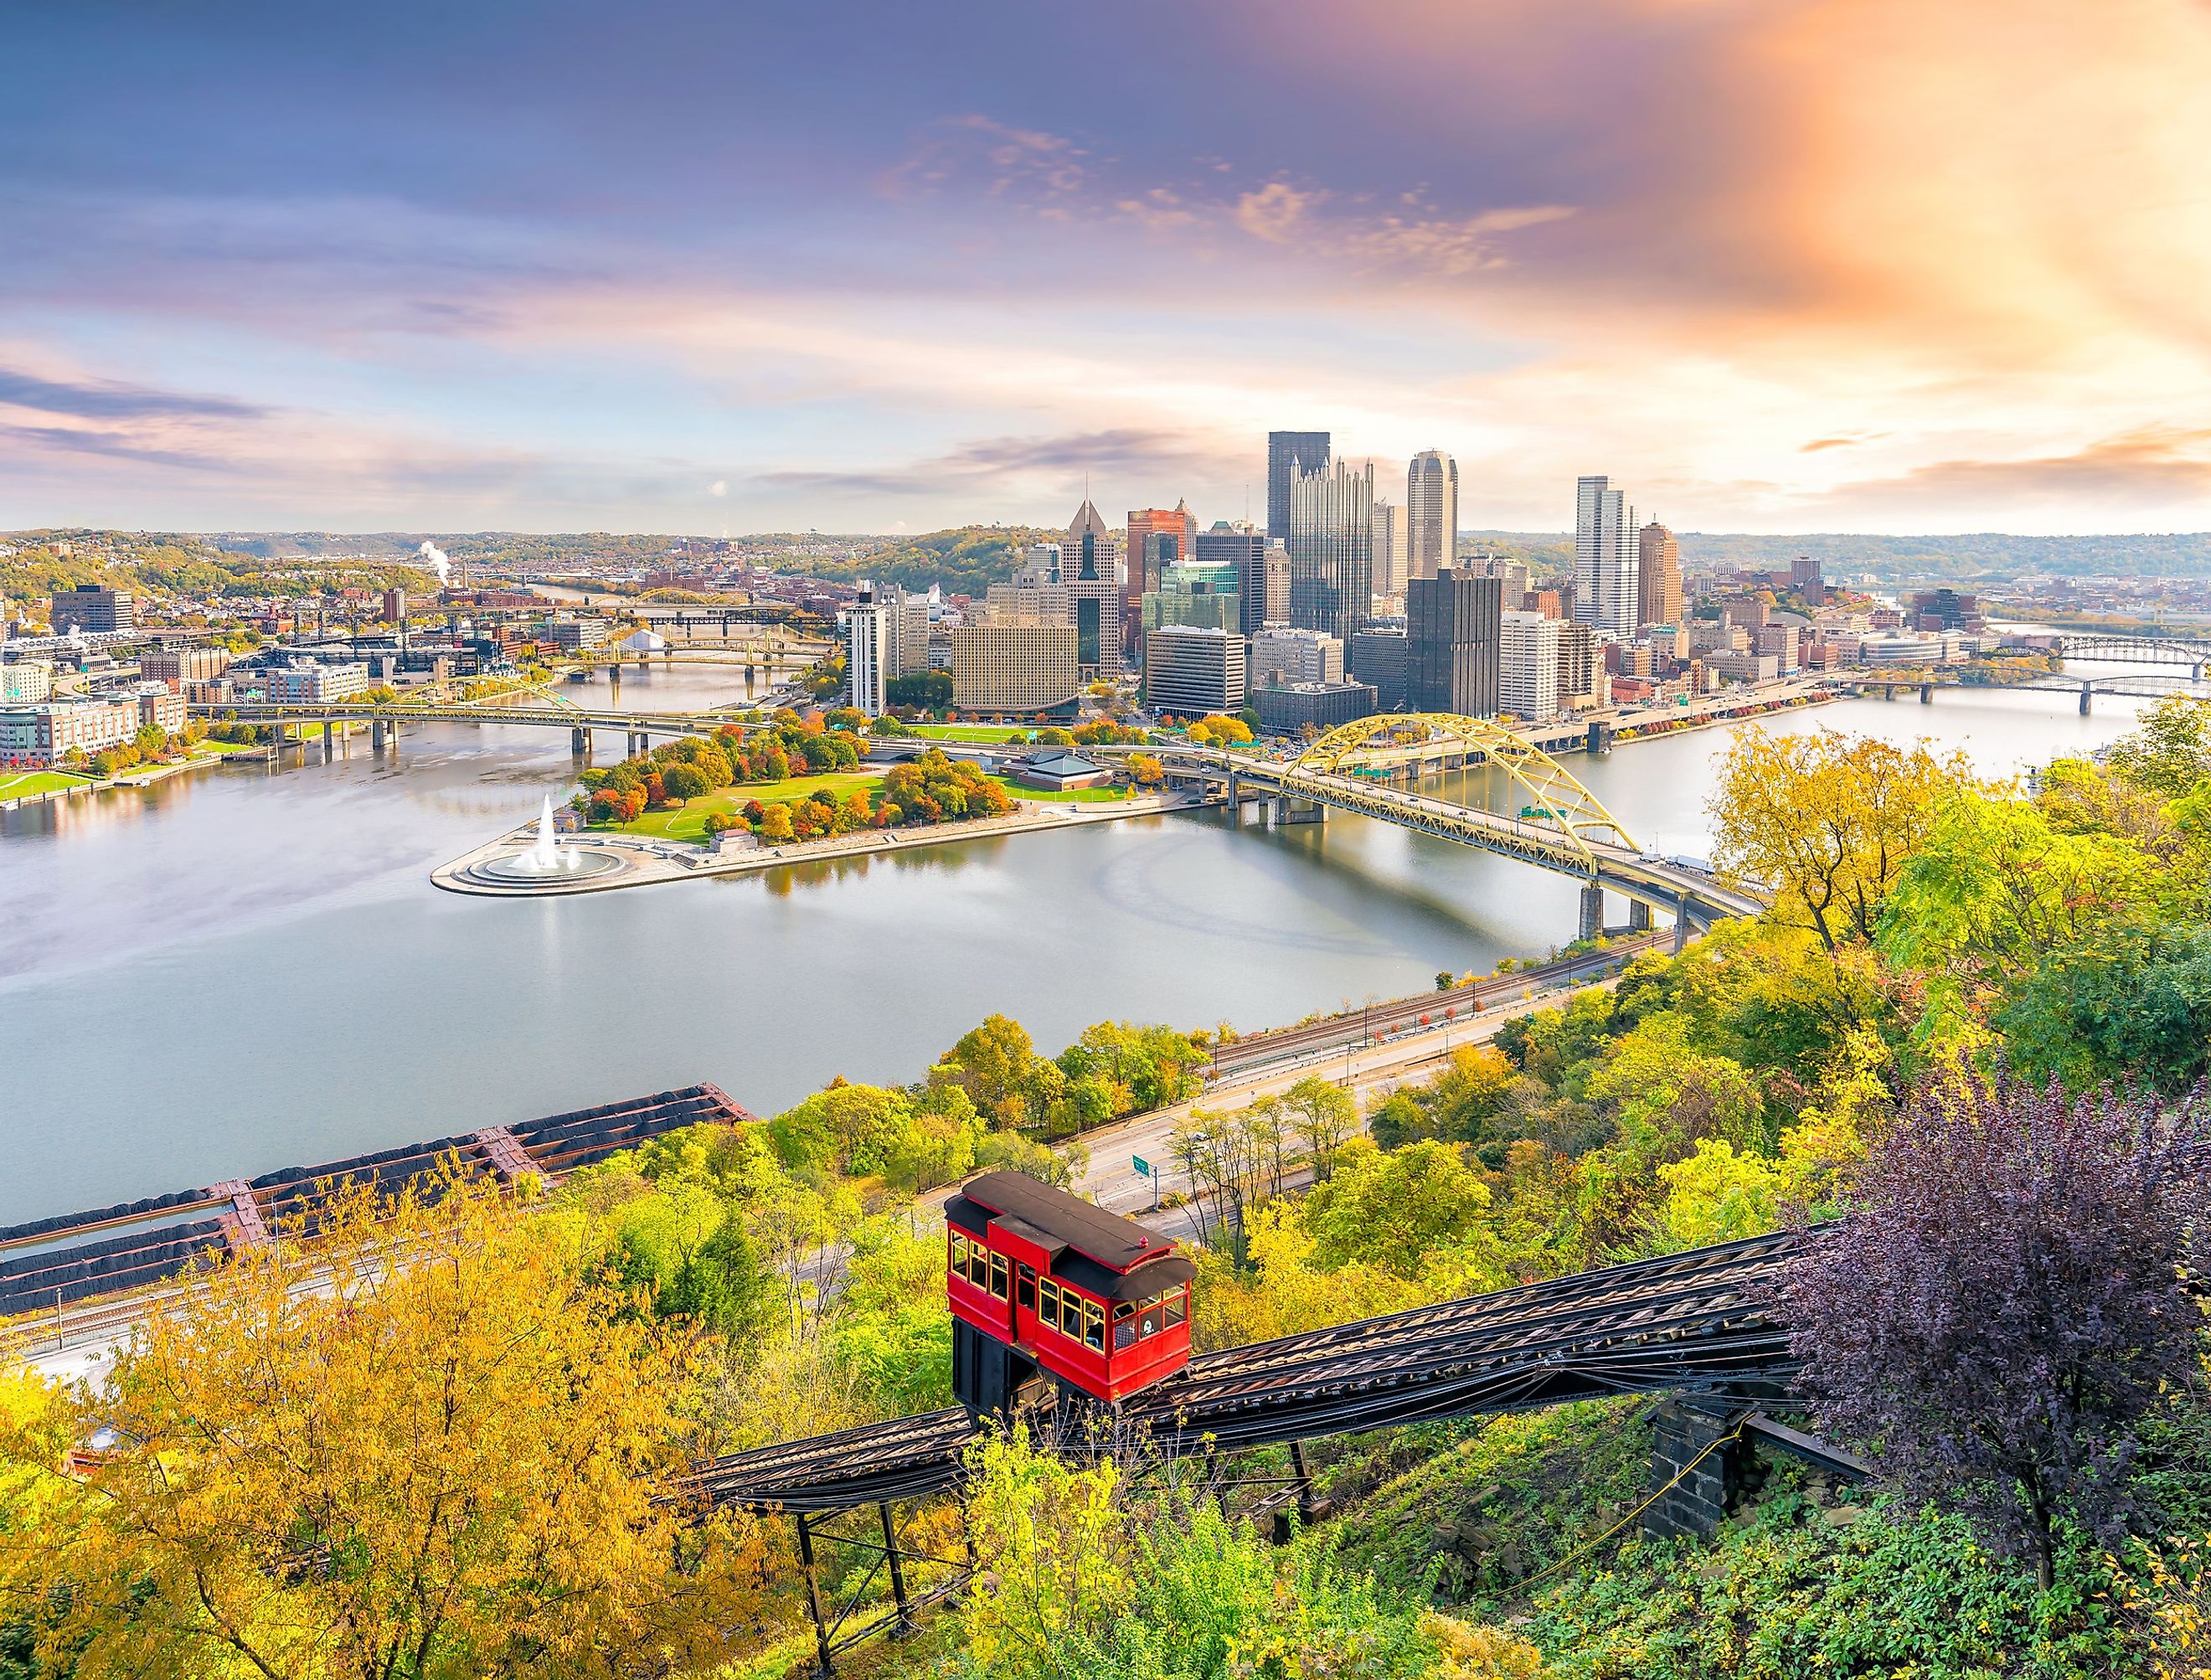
1703 1322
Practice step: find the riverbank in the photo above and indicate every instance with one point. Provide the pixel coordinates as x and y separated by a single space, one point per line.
62 785
649 863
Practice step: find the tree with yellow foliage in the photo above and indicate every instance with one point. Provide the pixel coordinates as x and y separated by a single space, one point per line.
1824 822
430 1442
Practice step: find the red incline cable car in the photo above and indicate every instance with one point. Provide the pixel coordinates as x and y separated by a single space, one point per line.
1045 1285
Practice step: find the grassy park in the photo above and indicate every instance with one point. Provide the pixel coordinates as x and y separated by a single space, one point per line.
688 821
29 783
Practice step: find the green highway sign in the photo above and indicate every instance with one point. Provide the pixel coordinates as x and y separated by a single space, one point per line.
1143 1166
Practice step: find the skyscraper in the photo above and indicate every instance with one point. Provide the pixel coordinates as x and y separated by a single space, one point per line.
1246 546
1606 563
1332 549
1390 550
1452 648
1432 507
867 649
1158 536
1289 453
1658 577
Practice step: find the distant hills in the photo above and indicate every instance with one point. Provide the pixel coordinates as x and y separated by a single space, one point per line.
1983 555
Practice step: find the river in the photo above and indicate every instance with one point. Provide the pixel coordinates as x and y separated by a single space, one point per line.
243 969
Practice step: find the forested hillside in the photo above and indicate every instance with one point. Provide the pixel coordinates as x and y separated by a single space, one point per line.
1973 1028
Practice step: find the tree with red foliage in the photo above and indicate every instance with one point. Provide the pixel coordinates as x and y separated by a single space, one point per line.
2009 1300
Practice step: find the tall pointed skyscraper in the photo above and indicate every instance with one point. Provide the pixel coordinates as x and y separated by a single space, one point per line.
1431 513
1289 453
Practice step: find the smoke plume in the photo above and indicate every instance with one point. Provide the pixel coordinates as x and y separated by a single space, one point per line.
439 563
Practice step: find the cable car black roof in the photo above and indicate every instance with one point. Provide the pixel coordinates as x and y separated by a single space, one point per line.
1111 1256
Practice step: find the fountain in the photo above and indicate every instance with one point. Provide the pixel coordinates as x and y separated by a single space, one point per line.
546 862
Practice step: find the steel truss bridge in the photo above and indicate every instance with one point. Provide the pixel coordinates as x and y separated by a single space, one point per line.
2194 652
1366 767
1703 1324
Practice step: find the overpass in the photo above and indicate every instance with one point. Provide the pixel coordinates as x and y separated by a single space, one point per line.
2142 685
386 718
1367 767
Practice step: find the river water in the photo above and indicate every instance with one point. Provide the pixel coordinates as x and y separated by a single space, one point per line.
243 969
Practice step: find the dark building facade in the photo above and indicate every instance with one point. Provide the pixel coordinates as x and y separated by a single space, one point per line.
1288 453
1288 711
1248 551
1375 656
1452 624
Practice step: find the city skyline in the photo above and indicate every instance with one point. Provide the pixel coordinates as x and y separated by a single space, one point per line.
545 269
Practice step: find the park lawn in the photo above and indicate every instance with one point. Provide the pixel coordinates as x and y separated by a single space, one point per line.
688 821
1081 796
227 748
978 734
26 783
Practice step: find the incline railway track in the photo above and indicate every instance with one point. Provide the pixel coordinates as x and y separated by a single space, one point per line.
1702 1323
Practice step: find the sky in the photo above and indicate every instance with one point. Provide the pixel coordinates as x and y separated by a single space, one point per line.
866 265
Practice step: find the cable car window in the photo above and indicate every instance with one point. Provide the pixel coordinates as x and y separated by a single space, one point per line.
999 1285
1025 1281
959 1253
1151 1326
1071 1314
1094 1324
1178 1306
1124 1325
1048 1308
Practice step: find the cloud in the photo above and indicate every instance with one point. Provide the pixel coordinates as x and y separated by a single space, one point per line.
1003 462
103 400
2151 468
70 440
720 486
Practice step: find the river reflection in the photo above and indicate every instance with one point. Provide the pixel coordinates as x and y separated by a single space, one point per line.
244 969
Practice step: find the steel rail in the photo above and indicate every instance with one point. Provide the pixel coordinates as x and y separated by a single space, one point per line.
1702 1322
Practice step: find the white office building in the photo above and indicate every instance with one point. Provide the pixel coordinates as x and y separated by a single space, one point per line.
1608 564
1528 665
1282 656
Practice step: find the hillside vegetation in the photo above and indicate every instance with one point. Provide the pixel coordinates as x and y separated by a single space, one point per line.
1974 1024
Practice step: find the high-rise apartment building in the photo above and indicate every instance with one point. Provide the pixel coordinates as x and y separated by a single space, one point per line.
1190 671
1528 665
1282 655
1657 576
1289 454
1390 548
1451 651
868 649
1581 675
1331 549
1432 510
1606 563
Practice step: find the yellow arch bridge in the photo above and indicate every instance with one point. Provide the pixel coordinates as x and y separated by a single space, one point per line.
1370 767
